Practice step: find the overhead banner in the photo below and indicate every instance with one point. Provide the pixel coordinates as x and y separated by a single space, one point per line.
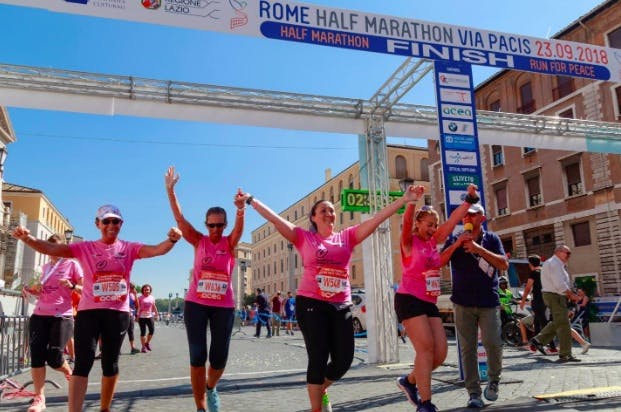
315 24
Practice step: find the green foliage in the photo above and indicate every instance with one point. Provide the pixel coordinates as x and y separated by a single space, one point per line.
249 299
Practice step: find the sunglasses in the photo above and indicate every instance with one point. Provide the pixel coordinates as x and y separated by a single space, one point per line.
473 214
567 253
213 225
108 220
423 209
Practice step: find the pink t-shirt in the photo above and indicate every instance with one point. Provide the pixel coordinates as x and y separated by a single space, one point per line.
421 276
326 264
107 270
211 282
55 299
147 303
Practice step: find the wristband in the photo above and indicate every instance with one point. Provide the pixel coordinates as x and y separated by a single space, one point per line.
172 241
472 199
249 200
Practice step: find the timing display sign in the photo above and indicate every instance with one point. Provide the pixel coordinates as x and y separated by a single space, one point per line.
333 27
357 200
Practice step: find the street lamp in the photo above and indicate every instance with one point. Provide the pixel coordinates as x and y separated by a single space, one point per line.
169 301
68 236
405 183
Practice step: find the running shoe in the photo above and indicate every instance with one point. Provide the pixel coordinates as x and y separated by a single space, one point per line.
410 390
427 406
143 350
585 347
134 351
213 400
37 404
148 346
326 406
491 391
475 401
538 345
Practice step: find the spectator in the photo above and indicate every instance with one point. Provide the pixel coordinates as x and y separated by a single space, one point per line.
263 314
323 299
556 290
104 306
583 309
289 305
476 257
277 313
539 307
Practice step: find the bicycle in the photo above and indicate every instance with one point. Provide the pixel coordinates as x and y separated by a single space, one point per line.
510 326
9 389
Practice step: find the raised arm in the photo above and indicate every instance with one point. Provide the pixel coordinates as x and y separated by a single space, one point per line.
368 226
446 228
42 246
147 251
407 223
238 229
190 234
284 227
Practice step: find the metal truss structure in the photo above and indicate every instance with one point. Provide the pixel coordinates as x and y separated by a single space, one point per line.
368 118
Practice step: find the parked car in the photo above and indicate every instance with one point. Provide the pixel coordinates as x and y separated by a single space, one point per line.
359 311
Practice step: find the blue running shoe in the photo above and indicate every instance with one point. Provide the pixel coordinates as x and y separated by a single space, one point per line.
213 400
427 406
410 390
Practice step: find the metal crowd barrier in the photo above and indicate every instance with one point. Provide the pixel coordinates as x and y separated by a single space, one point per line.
14 353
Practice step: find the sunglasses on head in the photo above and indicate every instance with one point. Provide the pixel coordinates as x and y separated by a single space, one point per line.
213 225
109 220
424 209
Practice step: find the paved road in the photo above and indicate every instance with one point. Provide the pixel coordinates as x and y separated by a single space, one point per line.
269 375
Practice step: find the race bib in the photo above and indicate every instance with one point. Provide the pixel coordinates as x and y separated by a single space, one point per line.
486 267
109 287
432 282
332 281
212 285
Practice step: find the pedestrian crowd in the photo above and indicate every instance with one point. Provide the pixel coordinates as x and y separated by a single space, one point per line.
100 270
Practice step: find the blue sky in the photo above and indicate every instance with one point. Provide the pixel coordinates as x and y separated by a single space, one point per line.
82 161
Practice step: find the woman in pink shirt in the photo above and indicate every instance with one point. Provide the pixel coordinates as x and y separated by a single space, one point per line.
323 298
147 312
104 308
209 301
51 323
417 295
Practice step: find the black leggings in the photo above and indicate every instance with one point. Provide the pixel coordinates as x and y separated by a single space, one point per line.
145 323
328 334
111 325
220 320
130 329
48 337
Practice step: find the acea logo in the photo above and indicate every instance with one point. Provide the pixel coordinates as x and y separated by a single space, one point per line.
151 4
456 111
77 1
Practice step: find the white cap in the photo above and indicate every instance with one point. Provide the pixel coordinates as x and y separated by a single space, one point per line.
108 211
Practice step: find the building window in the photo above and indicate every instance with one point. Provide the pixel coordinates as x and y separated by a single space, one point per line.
401 167
573 176
497 156
567 114
427 200
441 179
424 169
353 272
527 151
494 106
582 234
564 87
618 96
500 193
614 38
526 98
533 189
332 194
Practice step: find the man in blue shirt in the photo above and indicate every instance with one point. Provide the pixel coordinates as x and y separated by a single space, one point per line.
476 258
